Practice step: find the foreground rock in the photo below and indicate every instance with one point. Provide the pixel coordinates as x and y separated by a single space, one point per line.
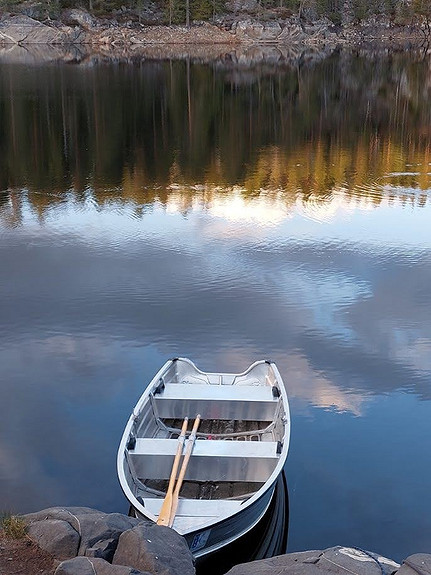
94 566
335 561
418 564
153 548
87 541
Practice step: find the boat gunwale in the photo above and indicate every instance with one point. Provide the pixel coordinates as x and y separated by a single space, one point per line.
267 485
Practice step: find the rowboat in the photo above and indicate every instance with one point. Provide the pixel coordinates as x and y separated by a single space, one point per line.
224 470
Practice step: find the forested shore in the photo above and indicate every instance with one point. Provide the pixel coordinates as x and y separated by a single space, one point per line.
229 21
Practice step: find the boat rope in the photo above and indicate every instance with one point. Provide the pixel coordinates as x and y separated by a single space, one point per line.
270 428
374 558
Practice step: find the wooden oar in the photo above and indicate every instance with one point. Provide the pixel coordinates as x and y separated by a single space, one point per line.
165 511
189 448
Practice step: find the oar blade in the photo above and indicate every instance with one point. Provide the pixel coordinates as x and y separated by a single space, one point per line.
165 511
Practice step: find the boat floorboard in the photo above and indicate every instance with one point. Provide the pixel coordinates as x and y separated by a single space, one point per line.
221 427
207 489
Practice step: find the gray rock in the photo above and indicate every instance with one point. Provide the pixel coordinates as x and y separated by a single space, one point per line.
78 17
87 566
272 31
292 33
102 531
69 514
282 564
24 30
104 549
357 560
249 29
153 548
98 532
334 561
418 564
76 566
257 31
55 536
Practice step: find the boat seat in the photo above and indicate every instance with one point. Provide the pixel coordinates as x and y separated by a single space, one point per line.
196 507
239 402
211 460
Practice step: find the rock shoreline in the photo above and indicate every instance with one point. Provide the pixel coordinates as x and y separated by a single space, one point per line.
85 541
78 27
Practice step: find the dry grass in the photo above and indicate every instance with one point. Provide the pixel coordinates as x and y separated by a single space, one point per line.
12 526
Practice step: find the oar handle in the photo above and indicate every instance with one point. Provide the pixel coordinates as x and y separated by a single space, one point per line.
189 448
165 511
181 439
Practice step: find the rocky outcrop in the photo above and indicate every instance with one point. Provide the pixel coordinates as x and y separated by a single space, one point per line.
203 33
96 533
21 29
153 548
250 30
79 27
56 536
417 564
86 566
77 17
87 541
332 561
335 561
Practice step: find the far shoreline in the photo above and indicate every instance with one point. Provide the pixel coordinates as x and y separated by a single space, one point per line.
27 41
77 29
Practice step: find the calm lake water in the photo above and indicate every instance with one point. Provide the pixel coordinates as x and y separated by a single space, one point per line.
227 214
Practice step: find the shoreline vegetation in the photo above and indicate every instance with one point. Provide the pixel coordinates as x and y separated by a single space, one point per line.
292 24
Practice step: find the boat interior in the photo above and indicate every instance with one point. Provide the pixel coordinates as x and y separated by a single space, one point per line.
238 442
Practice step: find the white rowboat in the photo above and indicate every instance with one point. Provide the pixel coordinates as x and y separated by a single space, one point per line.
240 449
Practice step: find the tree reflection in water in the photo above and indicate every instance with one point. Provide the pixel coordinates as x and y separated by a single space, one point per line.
352 124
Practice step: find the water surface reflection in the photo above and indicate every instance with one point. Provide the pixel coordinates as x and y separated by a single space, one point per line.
180 209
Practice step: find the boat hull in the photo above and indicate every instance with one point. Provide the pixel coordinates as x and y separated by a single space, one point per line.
237 459
267 538
204 542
